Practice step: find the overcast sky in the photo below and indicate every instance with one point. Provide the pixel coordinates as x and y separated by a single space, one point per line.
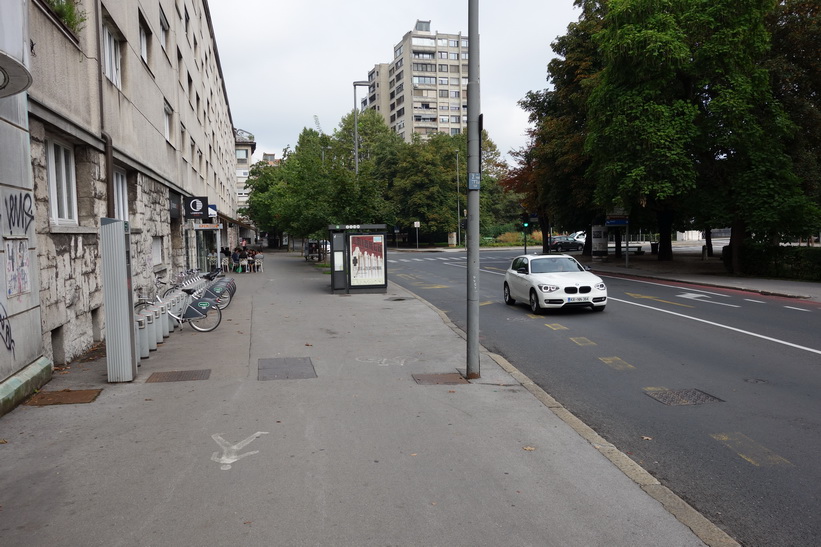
286 62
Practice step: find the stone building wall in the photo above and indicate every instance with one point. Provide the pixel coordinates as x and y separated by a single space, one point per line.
70 284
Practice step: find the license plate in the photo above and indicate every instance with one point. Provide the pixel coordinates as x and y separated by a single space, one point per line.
577 299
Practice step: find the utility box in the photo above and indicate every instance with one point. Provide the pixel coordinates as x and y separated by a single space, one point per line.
120 326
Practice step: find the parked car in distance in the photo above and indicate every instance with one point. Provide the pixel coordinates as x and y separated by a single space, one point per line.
579 236
565 243
553 282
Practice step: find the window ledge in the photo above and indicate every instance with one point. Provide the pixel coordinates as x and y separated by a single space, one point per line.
64 229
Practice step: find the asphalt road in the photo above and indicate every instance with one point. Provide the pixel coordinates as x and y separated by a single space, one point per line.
715 392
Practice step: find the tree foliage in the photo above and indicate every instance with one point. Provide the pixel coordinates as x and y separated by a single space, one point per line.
686 108
398 183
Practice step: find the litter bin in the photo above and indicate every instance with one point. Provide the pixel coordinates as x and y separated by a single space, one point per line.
654 248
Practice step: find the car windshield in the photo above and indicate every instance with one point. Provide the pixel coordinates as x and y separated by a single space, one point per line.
553 265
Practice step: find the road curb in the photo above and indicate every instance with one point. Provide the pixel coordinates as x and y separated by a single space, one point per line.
702 527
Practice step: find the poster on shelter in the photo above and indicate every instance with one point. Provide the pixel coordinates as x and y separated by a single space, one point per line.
367 260
18 280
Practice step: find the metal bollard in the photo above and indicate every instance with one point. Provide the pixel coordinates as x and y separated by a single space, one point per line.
150 330
142 335
164 319
157 324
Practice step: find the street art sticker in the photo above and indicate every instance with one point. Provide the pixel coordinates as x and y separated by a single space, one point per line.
18 278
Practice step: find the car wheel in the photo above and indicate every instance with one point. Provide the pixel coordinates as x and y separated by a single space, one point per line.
560 248
598 308
508 300
534 303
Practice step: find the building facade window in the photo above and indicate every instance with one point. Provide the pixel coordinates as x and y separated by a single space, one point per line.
112 58
61 183
168 119
120 195
242 156
164 28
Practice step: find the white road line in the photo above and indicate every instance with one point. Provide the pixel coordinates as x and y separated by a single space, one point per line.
754 301
665 285
776 340
797 309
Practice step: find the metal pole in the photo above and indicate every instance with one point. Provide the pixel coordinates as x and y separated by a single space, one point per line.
474 183
458 207
356 126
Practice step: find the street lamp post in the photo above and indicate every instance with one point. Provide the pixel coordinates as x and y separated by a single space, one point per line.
458 208
360 83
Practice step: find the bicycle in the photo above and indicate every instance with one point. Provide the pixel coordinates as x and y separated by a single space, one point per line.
200 310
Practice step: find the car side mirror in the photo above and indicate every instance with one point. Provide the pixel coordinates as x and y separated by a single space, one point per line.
522 270
587 268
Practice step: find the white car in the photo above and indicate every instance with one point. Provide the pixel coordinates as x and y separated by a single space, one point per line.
553 282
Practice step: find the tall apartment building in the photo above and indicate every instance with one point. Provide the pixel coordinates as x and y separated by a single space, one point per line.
423 89
126 116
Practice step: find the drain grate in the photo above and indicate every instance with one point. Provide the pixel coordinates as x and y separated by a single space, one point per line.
286 368
179 376
681 397
64 397
446 379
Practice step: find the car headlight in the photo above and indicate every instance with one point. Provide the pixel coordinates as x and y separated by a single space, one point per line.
548 288
600 286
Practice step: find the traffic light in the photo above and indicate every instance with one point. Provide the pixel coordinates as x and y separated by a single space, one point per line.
525 221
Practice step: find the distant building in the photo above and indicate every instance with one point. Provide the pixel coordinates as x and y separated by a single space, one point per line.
423 89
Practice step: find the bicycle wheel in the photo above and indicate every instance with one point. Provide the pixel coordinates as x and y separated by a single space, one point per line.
140 306
225 299
207 322
168 291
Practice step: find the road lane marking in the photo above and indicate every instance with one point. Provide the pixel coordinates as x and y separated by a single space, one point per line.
555 326
581 341
486 303
434 286
229 451
616 363
645 297
670 285
797 309
754 301
700 298
750 450
714 324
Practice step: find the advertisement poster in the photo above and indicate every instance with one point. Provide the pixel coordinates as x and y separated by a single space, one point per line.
18 280
367 260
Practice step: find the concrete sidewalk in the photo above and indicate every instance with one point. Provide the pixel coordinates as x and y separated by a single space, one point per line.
360 454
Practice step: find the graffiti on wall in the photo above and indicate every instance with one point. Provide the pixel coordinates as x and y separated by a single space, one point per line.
18 278
17 212
6 336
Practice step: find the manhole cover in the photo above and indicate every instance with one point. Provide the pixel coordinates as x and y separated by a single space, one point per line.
447 379
179 376
286 368
680 397
64 397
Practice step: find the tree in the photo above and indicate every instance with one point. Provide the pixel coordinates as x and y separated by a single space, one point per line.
795 69
552 172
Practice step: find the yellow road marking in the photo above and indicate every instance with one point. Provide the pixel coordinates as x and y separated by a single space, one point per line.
583 341
750 450
651 389
486 303
616 363
434 286
555 326
533 316
644 297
